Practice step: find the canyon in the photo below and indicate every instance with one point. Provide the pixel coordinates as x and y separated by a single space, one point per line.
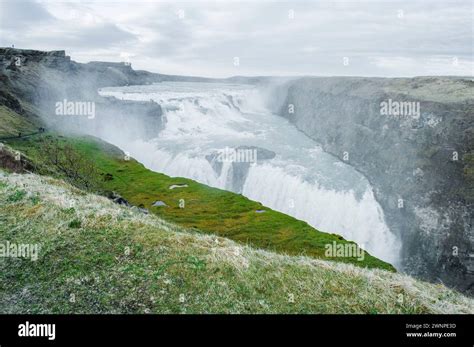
421 168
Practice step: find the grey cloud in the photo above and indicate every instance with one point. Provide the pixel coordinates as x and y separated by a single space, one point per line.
20 14
97 36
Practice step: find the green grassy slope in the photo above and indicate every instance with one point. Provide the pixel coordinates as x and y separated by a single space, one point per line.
205 209
98 257
11 123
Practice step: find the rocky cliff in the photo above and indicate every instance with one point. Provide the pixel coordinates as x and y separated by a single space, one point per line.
413 139
34 83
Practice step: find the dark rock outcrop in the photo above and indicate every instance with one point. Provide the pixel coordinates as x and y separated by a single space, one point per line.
239 168
13 161
118 199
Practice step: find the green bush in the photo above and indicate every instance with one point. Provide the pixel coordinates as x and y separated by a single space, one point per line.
75 224
17 196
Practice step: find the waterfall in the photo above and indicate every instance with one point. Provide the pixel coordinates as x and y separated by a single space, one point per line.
298 178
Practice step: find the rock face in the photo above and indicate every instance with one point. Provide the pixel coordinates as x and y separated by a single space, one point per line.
35 82
239 169
20 57
118 199
13 161
421 164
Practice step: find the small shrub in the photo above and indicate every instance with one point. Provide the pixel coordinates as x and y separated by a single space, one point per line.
35 199
17 196
69 164
75 224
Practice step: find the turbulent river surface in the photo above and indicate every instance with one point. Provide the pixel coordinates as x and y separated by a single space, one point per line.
299 179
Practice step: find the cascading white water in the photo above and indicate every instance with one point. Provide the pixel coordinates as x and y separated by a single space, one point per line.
301 180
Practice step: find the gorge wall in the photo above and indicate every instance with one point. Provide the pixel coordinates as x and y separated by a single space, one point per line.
420 165
33 82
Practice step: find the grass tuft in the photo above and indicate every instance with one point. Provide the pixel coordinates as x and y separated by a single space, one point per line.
75 224
18 195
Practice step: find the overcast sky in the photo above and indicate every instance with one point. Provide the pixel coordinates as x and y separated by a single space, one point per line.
329 37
